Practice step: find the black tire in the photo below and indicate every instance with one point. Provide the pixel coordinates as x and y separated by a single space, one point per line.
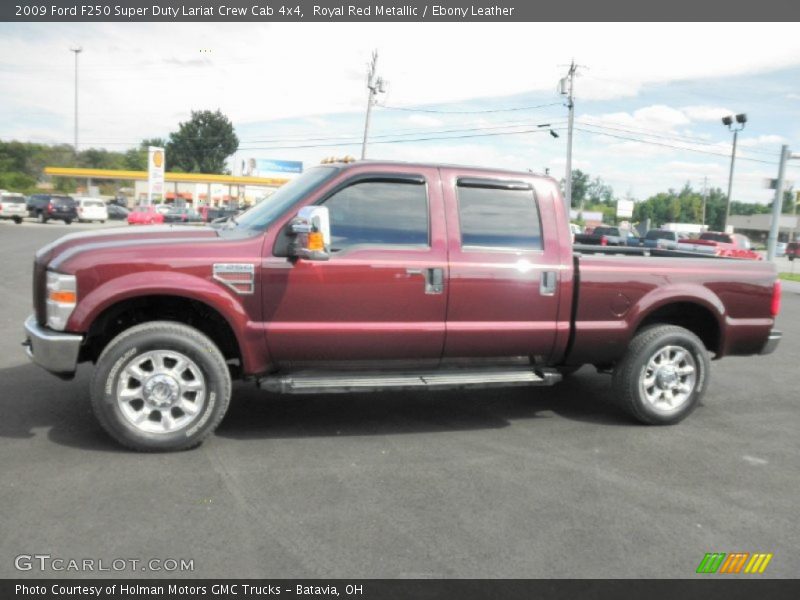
18 220
68 221
630 375
102 222
133 344
40 218
791 258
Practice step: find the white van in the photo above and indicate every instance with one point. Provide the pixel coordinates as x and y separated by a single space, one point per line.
91 209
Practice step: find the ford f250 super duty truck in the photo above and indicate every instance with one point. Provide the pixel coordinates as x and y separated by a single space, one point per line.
379 276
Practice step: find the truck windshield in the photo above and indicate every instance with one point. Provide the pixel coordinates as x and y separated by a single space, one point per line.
263 213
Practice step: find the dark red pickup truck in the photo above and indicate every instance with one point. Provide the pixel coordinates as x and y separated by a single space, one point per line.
376 275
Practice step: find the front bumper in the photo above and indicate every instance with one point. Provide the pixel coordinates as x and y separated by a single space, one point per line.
54 351
772 342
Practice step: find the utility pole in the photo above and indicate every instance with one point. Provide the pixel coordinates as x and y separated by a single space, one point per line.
376 85
777 204
566 87
77 50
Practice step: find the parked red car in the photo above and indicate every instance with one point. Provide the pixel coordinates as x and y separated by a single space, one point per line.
145 215
729 245
793 250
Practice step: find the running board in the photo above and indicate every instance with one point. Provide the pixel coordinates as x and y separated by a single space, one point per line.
337 382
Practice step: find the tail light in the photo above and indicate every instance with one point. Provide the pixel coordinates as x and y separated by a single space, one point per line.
603 240
50 208
775 307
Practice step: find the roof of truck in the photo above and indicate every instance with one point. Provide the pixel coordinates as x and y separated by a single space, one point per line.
394 164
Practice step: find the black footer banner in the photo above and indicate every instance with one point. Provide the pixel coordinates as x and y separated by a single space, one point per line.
369 589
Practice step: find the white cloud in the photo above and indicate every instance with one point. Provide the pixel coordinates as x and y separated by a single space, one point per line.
763 140
424 121
705 113
136 77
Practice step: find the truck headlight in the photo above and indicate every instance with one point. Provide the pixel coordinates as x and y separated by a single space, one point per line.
62 295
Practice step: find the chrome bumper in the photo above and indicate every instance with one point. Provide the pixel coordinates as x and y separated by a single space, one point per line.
55 351
772 342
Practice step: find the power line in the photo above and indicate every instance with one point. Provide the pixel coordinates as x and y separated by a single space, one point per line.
664 145
467 112
660 134
403 141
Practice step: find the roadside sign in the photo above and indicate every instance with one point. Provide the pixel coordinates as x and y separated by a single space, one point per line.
263 167
155 173
625 209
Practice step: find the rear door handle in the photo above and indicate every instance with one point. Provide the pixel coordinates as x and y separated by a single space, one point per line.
547 284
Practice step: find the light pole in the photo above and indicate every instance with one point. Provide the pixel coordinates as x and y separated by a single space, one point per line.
376 85
740 119
77 50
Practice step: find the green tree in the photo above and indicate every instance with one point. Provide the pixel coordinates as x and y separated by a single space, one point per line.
135 159
202 143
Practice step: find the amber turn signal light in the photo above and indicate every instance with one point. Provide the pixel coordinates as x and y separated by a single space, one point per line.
63 296
315 241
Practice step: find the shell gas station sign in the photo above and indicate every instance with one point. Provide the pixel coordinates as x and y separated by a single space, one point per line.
155 173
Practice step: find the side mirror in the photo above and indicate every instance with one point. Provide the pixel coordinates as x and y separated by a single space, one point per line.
312 231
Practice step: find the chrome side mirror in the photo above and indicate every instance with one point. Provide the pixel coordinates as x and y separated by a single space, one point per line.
312 231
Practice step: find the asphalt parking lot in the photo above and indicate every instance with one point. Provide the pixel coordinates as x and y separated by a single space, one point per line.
509 483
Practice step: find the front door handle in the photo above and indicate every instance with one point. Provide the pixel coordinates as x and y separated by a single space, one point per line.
434 279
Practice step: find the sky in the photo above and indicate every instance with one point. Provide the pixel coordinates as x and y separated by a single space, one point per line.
648 97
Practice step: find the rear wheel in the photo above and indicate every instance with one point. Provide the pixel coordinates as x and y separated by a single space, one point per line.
18 220
663 375
160 386
68 221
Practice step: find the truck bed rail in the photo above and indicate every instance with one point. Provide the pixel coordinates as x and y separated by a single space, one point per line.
644 251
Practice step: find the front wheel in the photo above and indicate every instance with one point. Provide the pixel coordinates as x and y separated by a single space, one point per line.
160 386
18 220
663 376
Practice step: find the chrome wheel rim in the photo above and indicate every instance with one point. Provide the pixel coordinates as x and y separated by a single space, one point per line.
161 391
668 379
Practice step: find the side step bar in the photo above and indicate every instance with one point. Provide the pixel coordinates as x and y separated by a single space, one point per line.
333 382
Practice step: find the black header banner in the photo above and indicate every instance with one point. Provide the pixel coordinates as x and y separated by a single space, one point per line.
233 11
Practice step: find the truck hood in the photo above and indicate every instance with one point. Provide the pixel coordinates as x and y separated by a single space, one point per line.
123 236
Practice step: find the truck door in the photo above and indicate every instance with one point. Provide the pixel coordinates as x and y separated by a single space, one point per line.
504 271
382 294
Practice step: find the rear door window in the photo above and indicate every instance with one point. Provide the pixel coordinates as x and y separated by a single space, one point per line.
495 217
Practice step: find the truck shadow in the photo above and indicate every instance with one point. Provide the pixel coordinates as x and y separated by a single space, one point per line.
38 404
253 414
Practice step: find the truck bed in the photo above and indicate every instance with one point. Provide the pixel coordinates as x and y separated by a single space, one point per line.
616 289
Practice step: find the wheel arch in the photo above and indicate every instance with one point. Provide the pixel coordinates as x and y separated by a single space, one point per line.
136 298
693 314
